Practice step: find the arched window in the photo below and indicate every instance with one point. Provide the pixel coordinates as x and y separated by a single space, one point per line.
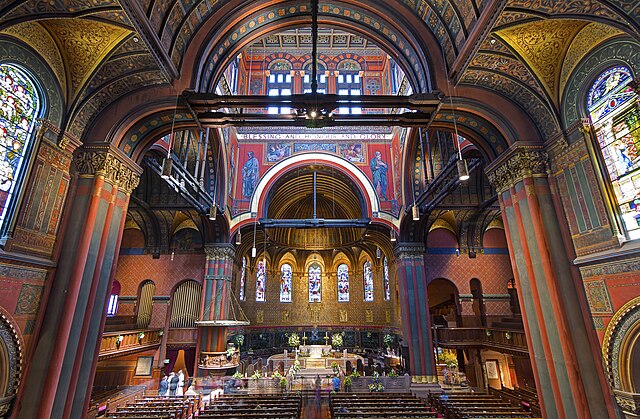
261 280
615 115
285 283
387 288
243 280
20 105
322 78
367 276
112 306
315 283
279 83
343 283
349 83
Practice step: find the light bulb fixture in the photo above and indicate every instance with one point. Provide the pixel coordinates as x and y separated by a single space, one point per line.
416 212
238 238
313 114
392 235
213 212
173 254
253 252
378 252
167 166
463 170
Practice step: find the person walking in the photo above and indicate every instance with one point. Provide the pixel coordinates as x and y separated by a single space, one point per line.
173 383
318 386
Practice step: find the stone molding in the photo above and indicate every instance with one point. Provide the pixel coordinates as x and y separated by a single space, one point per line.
220 251
520 162
109 162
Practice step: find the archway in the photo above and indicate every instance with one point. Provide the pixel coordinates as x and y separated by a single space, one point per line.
444 304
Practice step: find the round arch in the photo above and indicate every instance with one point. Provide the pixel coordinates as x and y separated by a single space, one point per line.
621 346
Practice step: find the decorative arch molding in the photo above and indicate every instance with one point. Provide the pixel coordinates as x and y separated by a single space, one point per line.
616 51
13 52
269 178
617 341
402 46
10 361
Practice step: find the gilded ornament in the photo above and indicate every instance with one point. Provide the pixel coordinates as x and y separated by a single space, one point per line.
101 161
521 163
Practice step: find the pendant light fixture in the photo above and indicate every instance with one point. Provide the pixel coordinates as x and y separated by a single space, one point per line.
238 238
461 164
167 162
254 252
392 235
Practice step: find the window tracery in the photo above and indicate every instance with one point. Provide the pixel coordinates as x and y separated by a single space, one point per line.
285 283
367 275
343 283
261 280
315 283
243 279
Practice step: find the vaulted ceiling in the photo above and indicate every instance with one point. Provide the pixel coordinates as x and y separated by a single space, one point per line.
525 51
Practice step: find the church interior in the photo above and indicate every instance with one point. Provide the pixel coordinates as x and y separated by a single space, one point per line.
385 208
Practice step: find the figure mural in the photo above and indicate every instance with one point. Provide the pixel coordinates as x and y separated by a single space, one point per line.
379 174
278 151
250 175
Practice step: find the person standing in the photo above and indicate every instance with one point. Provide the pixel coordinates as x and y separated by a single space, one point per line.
180 389
318 384
164 386
173 383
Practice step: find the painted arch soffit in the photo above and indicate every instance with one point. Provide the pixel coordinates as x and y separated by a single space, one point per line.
231 40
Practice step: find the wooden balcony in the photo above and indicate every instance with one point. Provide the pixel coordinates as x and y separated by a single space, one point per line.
125 342
509 341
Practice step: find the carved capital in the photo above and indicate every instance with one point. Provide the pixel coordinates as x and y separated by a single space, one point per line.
409 251
518 163
220 251
110 163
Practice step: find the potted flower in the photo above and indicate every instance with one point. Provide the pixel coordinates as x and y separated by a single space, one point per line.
230 352
388 340
256 375
376 386
347 383
283 383
294 340
276 374
140 336
393 374
337 340
335 367
119 340
237 375
240 340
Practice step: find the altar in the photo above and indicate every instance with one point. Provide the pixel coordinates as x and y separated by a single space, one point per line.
314 359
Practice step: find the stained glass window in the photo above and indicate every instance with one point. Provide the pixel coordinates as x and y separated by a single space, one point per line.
315 283
243 279
387 289
19 108
367 275
261 280
343 283
285 283
615 114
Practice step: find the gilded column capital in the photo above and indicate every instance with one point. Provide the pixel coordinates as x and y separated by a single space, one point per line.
409 251
518 163
220 251
109 162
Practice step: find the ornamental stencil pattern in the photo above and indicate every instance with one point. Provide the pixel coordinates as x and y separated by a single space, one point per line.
598 297
29 299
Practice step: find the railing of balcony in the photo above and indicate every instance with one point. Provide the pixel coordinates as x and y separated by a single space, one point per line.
501 339
127 341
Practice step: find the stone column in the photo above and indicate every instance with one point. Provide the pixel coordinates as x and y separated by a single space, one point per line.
416 321
567 375
60 380
216 298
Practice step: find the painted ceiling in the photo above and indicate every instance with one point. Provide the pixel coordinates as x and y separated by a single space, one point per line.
524 50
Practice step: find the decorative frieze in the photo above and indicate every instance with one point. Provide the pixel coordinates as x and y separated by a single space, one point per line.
220 251
518 163
410 251
110 163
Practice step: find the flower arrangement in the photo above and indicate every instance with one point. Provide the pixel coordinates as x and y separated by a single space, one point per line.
283 383
387 339
230 351
240 340
119 339
296 365
237 374
508 335
393 374
294 340
334 365
337 339
448 358
276 374
348 381
355 374
140 335
376 386
256 375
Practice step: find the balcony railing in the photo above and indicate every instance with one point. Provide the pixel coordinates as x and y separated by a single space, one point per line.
500 339
128 341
